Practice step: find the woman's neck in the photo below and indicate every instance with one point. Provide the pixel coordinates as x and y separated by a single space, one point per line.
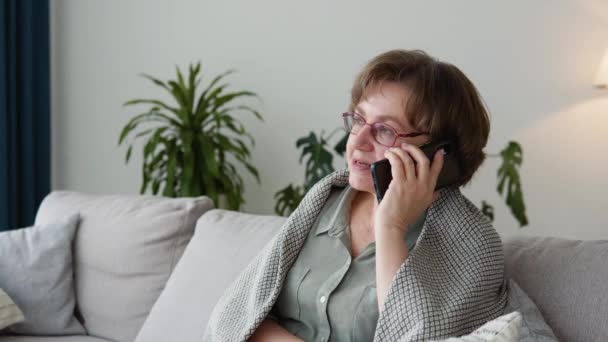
363 207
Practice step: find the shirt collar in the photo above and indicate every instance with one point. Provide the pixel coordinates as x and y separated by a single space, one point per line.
334 219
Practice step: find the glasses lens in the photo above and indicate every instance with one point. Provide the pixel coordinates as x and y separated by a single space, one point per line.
353 123
348 122
356 123
384 134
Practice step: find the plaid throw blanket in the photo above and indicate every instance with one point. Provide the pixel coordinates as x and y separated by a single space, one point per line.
451 283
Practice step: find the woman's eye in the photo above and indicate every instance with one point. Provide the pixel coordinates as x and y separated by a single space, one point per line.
383 130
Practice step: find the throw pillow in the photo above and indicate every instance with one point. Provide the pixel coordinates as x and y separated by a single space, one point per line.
36 271
533 325
9 312
502 329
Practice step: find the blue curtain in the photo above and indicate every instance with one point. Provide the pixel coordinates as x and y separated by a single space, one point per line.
24 110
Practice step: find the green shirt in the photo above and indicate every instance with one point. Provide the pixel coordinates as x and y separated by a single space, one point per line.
327 295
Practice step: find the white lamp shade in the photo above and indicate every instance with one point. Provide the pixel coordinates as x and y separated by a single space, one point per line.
601 79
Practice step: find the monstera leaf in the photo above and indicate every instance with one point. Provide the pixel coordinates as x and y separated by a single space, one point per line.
319 160
318 164
509 184
340 147
487 210
288 199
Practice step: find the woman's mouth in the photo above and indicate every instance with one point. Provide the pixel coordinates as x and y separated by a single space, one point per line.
359 165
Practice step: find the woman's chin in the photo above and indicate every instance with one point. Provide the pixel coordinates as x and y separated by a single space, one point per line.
361 183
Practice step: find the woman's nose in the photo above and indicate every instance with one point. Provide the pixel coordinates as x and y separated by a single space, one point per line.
364 137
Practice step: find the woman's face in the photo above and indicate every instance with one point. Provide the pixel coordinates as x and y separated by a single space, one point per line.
384 103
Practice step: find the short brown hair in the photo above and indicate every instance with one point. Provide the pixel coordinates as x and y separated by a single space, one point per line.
443 101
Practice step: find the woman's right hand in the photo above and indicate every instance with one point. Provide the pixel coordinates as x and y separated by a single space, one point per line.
270 331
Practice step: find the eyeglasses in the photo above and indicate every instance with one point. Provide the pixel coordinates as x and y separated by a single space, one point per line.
383 134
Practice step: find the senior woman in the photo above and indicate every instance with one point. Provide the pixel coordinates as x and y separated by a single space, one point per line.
420 265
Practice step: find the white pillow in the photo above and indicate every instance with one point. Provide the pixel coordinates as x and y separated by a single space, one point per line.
502 329
36 271
9 312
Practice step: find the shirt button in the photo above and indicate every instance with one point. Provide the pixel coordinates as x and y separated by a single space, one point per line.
322 300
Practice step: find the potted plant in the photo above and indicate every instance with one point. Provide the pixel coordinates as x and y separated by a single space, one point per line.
189 147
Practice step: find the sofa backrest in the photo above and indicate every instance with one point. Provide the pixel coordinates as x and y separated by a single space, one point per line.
568 281
124 251
223 244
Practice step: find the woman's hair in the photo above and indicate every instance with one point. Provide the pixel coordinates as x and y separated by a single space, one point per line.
442 101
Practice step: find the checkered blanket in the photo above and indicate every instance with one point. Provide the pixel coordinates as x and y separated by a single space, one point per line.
451 283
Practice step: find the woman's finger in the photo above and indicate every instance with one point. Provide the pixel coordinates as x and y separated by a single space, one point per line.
422 161
408 163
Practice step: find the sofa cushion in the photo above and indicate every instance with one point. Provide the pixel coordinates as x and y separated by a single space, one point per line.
568 281
125 249
36 270
222 246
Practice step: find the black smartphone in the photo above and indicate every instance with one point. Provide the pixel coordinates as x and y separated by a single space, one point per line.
450 173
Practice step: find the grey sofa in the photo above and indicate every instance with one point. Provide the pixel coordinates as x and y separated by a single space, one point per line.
164 299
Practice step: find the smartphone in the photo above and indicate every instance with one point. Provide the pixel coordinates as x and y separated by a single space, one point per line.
450 173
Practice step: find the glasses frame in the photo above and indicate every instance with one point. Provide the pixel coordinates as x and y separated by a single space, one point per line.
345 115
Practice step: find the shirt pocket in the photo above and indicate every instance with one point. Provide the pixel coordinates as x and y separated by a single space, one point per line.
366 316
288 303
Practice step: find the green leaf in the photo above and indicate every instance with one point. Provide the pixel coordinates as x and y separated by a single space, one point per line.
192 83
180 78
209 156
252 111
487 210
508 175
340 147
319 160
203 97
288 199
169 190
188 166
155 186
222 100
129 150
179 93
155 103
156 81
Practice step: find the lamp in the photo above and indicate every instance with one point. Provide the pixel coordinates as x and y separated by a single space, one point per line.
601 79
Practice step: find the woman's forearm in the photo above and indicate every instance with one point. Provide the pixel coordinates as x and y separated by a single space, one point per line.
391 252
271 331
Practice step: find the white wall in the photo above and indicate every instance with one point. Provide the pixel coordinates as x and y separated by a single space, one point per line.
533 61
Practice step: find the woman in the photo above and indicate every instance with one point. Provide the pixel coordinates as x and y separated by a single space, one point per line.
421 264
